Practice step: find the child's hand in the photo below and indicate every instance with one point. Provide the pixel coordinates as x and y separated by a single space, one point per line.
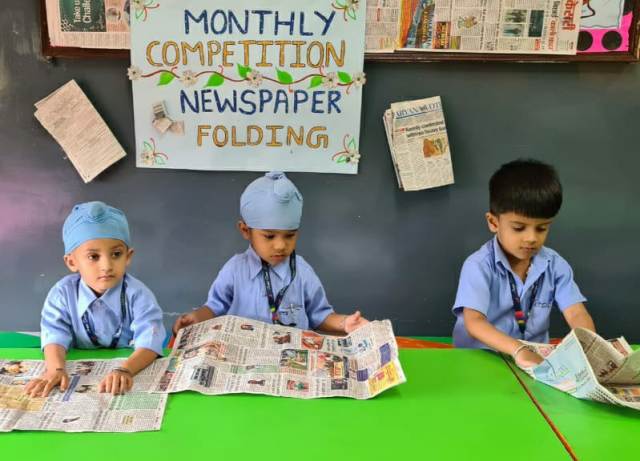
354 321
42 386
117 382
184 321
526 358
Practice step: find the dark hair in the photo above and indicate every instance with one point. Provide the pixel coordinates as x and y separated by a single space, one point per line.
527 187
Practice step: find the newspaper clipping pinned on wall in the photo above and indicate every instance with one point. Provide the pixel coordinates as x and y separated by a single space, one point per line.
419 144
68 115
80 408
90 23
231 354
589 367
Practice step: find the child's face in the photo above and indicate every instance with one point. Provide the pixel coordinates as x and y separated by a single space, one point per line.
273 246
101 263
520 237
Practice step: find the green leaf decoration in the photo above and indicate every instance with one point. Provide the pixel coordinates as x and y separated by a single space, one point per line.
284 77
344 77
352 144
243 71
165 78
351 12
139 14
342 160
315 81
147 146
160 161
215 80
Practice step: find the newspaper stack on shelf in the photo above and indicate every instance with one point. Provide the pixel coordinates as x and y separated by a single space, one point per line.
592 368
231 354
382 25
419 144
492 26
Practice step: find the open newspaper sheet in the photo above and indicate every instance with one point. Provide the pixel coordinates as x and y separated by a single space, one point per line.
231 354
592 368
89 23
81 408
496 26
419 144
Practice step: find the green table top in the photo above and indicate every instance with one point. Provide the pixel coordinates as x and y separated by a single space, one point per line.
13 339
456 404
595 431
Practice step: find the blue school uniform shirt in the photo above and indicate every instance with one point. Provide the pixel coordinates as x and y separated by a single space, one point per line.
70 298
239 289
484 287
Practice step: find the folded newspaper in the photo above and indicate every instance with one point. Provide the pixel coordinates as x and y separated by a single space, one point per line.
231 354
68 115
81 408
592 368
419 144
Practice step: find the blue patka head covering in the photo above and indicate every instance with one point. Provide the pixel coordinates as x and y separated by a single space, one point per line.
271 202
94 220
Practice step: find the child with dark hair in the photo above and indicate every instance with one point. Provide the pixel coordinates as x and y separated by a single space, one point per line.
508 287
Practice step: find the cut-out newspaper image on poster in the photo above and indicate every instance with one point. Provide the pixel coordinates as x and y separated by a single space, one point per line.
222 356
274 85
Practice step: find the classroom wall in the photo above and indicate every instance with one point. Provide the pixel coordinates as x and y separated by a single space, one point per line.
392 254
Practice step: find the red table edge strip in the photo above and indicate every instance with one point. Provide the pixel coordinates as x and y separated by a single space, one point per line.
547 418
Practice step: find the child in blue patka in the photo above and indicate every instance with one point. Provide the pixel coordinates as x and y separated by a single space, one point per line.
269 281
99 304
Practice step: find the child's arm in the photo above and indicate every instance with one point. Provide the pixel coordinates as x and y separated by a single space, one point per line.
54 373
219 300
577 316
120 379
199 315
339 323
479 328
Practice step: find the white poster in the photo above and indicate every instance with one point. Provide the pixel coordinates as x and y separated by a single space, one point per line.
248 85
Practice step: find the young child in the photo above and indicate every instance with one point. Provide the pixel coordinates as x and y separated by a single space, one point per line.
99 305
508 287
269 282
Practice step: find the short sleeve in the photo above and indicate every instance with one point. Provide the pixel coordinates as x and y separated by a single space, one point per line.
474 287
220 295
55 324
567 292
148 329
316 303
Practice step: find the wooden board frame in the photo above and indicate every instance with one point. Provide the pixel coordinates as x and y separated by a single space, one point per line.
633 55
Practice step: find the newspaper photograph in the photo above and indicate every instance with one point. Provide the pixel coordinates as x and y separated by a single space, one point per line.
382 25
496 26
90 23
80 408
589 367
419 144
231 354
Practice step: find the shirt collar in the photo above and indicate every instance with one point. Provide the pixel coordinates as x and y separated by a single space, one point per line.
255 265
86 297
539 262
